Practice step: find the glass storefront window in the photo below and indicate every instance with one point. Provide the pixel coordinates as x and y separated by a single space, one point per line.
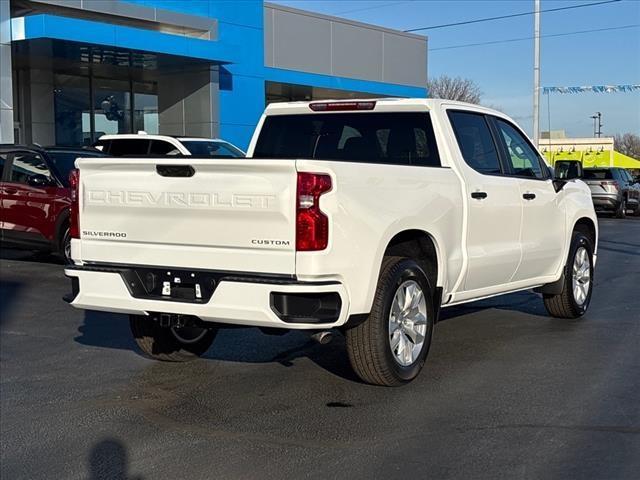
145 113
112 106
72 110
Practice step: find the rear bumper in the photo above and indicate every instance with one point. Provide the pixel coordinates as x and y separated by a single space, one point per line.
237 302
605 202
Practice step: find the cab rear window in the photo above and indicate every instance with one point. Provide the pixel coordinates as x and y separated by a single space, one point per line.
386 138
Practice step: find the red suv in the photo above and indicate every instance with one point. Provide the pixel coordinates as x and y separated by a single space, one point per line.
35 196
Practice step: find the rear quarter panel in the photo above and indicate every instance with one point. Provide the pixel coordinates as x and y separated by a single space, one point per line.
368 205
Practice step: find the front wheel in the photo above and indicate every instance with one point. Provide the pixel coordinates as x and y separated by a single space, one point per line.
578 281
391 346
170 344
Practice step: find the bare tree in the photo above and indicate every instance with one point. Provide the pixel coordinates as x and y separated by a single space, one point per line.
628 144
457 88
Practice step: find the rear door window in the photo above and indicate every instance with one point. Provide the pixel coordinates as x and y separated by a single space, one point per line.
27 165
129 147
386 138
475 141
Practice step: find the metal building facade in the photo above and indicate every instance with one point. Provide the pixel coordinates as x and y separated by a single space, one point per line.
72 70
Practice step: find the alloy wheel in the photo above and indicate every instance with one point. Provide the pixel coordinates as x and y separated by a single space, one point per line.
407 323
581 276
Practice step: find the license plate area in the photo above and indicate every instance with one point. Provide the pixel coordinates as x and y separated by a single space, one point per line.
170 284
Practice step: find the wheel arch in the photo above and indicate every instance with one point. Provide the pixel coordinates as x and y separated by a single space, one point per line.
420 245
588 227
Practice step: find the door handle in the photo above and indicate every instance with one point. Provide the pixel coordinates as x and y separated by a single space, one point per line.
528 196
10 191
479 195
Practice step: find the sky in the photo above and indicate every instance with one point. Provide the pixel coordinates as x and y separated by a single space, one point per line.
504 71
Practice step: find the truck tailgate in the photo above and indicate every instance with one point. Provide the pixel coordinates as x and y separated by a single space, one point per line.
230 214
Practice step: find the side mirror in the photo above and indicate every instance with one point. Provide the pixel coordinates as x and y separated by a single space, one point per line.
568 170
565 170
39 180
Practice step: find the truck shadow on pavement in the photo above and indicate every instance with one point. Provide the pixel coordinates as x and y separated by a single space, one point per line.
250 345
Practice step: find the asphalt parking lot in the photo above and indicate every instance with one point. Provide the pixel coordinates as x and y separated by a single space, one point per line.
507 392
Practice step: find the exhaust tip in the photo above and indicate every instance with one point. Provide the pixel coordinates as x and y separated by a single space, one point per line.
323 338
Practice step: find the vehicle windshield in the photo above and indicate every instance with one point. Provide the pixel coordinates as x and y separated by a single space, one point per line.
202 148
63 161
598 174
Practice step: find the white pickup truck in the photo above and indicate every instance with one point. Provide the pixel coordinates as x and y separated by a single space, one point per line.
362 216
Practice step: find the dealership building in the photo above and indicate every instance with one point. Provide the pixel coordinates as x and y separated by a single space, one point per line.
72 70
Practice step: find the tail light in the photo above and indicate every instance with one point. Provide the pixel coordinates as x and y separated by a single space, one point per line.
74 184
312 226
609 184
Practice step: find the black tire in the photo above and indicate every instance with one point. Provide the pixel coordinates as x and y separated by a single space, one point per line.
64 247
163 343
621 211
368 344
565 305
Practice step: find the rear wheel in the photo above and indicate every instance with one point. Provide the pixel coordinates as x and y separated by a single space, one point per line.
578 281
64 245
621 211
391 346
171 344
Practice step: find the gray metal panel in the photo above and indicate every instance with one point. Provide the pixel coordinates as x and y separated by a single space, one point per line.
140 13
301 42
189 21
357 52
188 102
109 7
405 60
6 78
6 126
268 37
309 42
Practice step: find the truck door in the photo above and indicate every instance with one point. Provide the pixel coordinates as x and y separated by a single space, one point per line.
543 219
495 207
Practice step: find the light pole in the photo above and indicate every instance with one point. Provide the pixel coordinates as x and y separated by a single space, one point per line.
597 124
536 72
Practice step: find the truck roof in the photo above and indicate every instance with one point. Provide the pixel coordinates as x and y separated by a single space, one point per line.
386 104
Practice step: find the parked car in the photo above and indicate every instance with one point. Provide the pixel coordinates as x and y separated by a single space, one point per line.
35 196
142 144
366 216
613 190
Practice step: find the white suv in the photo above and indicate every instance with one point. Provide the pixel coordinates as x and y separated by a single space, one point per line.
143 144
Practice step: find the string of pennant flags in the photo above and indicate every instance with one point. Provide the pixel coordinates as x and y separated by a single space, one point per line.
592 88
